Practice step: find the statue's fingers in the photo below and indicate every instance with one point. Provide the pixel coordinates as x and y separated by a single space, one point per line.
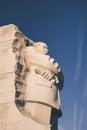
56 79
49 76
52 81
44 74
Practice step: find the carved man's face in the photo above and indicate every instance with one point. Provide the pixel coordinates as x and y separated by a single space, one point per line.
42 47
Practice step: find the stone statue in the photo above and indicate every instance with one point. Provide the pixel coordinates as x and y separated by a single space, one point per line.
31 80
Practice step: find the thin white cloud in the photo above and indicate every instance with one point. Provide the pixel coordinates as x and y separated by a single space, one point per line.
75 116
81 119
79 51
85 88
78 63
60 127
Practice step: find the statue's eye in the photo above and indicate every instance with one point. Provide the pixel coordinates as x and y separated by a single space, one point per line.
45 47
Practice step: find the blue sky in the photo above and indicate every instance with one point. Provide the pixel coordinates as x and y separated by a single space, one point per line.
62 24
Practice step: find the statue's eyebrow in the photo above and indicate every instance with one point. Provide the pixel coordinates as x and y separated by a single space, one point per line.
46 47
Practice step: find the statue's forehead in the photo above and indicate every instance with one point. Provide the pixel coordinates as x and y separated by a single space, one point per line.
41 44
